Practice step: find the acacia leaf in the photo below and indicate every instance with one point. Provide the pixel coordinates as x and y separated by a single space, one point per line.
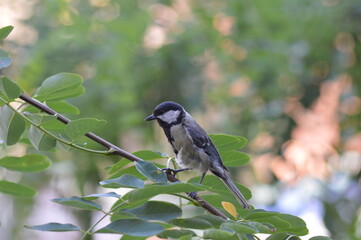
78 202
94 196
40 140
8 89
54 227
5 31
155 189
27 163
156 210
63 107
230 208
59 87
11 126
79 127
228 142
125 180
16 189
150 171
133 227
195 223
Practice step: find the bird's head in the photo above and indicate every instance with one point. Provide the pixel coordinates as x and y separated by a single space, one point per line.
168 113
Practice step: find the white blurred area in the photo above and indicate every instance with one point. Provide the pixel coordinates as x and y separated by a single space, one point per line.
13 13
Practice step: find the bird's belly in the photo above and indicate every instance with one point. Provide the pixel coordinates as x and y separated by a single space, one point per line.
195 161
189 155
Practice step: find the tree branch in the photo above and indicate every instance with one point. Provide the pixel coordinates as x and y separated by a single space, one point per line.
115 150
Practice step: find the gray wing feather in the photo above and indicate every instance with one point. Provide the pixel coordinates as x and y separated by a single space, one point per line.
201 139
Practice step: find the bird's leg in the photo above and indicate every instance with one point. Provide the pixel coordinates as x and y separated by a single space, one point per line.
202 177
174 171
192 194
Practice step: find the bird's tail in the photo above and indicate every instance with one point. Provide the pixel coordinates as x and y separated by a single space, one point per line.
228 182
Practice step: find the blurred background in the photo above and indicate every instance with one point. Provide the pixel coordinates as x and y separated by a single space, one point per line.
285 74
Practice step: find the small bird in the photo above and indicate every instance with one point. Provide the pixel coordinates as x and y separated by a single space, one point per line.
191 144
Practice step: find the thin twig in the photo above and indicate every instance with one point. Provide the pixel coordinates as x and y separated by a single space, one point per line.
115 150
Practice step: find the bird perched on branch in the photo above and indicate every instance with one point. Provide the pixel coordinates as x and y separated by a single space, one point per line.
191 144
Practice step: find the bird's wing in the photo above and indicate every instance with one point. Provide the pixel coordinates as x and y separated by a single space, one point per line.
201 140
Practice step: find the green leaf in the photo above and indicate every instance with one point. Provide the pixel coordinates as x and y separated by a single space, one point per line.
234 158
63 107
155 210
60 86
143 154
194 223
11 126
320 238
125 180
16 189
282 236
228 142
150 171
118 165
78 202
40 140
54 227
241 228
263 227
80 127
134 227
27 163
128 237
280 225
152 190
186 237
38 118
212 219
175 234
260 213
53 125
8 89
149 155
216 200
128 205
217 234
131 169
5 31
297 225
92 197
280 221
5 59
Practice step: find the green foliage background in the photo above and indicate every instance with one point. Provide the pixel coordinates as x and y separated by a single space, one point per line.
280 50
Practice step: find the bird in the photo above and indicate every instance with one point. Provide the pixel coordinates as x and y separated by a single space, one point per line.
192 146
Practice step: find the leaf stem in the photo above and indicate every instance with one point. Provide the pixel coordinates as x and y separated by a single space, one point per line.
71 144
87 232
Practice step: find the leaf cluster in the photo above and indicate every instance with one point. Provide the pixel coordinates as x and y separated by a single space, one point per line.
134 214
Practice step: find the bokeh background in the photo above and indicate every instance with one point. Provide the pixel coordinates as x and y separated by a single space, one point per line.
285 74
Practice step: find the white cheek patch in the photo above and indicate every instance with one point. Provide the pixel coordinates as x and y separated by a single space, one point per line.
170 116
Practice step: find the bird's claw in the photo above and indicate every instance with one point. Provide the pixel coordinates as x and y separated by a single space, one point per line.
174 171
192 194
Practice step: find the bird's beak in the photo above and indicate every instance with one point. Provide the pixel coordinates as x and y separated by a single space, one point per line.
150 118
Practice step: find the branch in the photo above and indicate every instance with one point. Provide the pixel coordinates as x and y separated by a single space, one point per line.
115 150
